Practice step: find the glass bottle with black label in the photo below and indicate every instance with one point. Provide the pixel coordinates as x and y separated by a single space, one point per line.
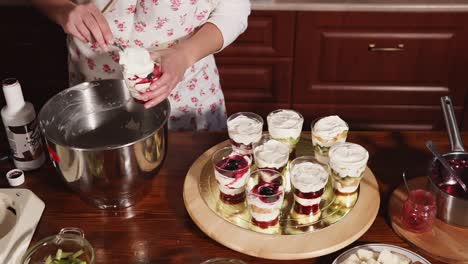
19 119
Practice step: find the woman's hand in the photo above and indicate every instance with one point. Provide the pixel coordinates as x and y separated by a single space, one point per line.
174 63
86 22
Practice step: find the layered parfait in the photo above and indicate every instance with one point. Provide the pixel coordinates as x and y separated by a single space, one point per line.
272 154
348 162
326 132
139 70
265 200
244 128
309 179
286 126
232 170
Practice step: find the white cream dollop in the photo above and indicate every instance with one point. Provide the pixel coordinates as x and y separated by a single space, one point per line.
348 159
136 61
285 124
328 128
271 154
245 130
309 177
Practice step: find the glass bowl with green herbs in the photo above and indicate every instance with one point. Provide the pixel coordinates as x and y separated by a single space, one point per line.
69 246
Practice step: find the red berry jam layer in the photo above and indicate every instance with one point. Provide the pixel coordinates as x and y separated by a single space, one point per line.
306 210
307 203
265 224
232 199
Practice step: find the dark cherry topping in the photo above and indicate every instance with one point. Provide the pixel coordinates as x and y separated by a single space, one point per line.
267 192
233 163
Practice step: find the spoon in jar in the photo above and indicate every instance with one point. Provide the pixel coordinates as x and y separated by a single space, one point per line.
444 163
406 183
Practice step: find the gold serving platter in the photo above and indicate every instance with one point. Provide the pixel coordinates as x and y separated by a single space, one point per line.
230 226
332 207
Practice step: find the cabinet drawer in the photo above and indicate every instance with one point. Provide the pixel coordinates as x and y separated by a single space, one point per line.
380 117
380 59
266 80
268 34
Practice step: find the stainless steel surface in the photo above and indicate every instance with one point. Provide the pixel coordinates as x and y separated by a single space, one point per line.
105 145
451 124
453 174
450 209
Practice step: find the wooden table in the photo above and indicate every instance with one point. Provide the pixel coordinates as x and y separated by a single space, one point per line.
159 230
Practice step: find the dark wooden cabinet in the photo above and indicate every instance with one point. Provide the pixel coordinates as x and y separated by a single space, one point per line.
380 70
256 70
376 70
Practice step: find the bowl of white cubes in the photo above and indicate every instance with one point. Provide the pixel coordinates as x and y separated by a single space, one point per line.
379 254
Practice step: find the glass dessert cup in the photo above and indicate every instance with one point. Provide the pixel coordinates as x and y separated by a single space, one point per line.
286 125
239 215
347 164
419 211
265 200
244 128
309 179
321 144
274 155
231 170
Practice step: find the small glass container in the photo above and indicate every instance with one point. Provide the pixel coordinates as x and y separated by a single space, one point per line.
419 211
244 128
67 242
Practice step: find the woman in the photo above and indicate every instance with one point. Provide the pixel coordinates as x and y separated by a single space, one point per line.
182 34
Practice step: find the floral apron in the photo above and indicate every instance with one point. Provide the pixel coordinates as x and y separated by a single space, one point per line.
197 102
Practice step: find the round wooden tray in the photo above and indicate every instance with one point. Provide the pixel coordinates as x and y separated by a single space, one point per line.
285 247
444 242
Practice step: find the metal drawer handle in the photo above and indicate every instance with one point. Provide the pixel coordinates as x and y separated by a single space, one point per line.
399 47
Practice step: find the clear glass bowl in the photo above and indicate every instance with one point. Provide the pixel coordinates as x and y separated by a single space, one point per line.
68 240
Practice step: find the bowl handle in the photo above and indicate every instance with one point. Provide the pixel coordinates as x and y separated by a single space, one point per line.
72 230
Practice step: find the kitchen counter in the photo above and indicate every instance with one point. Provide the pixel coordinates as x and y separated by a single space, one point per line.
159 229
343 5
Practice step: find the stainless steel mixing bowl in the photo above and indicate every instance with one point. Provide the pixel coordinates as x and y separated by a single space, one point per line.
105 145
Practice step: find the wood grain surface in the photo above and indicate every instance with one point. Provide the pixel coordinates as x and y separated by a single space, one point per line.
444 242
159 229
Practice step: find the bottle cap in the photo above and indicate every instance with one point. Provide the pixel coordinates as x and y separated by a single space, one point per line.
15 177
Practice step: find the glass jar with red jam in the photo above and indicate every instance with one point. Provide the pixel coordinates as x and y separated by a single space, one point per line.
419 211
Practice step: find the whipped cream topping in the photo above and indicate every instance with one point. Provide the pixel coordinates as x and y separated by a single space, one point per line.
307 202
245 130
309 177
272 154
136 61
345 189
328 128
285 124
348 159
